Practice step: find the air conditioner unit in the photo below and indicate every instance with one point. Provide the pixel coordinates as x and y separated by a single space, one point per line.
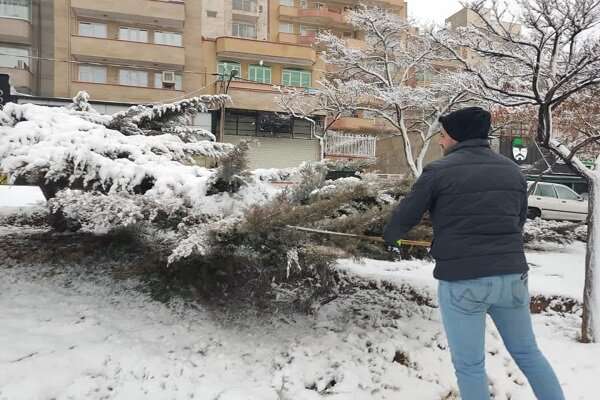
168 77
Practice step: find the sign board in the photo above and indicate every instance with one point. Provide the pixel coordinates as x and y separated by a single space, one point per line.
519 149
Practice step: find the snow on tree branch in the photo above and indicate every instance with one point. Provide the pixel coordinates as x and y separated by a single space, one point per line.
388 79
55 146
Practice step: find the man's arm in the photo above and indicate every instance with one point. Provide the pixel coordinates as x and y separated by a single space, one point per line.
411 209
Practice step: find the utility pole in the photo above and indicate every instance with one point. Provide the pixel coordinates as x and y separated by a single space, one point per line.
221 134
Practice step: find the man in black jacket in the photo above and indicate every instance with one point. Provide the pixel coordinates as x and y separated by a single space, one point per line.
477 200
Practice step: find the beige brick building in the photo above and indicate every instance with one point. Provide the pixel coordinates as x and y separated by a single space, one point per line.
140 51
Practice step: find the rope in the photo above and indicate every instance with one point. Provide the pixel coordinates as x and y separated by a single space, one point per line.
401 242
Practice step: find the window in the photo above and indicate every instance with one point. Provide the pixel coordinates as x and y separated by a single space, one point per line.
133 34
131 77
211 14
296 77
565 193
92 73
159 85
240 123
16 9
545 190
168 38
286 27
224 69
289 3
244 5
258 73
14 57
243 29
92 29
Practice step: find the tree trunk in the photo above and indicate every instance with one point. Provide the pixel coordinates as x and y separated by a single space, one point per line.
590 329
544 129
425 148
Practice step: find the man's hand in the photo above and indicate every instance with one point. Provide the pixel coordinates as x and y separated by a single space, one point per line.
394 249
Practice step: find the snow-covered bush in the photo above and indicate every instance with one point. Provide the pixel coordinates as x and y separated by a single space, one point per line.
562 232
312 176
29 216
57 148
224 226
262 243
106 172
81 103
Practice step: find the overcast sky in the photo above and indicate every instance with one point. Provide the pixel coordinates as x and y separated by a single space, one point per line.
427 11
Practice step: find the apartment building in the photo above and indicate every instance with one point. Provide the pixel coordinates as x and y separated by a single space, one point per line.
141 51
22 23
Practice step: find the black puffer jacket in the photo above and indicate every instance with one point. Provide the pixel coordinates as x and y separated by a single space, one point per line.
478 205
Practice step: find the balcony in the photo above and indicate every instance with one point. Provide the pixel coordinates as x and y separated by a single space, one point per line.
249 49
254 96
292 38
156 12
252 86
20 78
322 16
366 125
355 43
90 49
15 30
129 94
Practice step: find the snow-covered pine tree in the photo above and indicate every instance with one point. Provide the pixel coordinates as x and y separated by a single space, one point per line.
541 56
137 167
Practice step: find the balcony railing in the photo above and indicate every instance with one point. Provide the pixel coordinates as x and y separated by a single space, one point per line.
345 145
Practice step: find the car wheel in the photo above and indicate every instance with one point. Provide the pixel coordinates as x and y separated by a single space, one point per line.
533 213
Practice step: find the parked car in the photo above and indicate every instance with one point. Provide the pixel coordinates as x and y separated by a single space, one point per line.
556 201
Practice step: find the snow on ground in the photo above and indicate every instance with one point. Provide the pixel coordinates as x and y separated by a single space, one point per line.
70 335
20 196
559 271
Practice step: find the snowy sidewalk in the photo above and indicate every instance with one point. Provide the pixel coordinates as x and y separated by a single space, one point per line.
69 336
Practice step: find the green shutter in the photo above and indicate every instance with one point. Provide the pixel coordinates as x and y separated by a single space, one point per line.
259 74
286 78
298 78
224 69
306 81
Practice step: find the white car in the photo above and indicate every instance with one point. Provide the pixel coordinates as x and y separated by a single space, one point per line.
556 201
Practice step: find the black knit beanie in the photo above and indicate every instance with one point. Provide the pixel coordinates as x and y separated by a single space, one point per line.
468 123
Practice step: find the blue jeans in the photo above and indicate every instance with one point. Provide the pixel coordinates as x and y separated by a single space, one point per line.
464 305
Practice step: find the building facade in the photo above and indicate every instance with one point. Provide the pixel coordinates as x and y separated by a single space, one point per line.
144 51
